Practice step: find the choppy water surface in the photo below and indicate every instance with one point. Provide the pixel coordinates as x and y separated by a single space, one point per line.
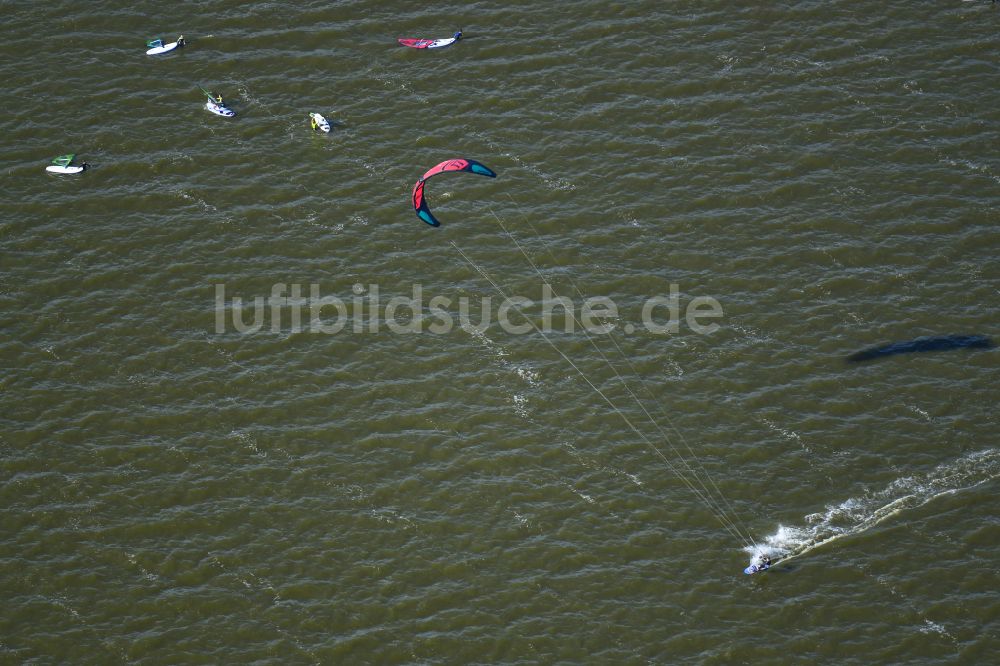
828 172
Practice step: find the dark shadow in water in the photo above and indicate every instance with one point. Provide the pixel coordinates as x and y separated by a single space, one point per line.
938 343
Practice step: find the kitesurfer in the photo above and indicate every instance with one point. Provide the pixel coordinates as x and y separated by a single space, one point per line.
760 562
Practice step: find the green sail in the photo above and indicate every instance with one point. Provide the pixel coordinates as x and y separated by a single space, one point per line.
64 160
209 95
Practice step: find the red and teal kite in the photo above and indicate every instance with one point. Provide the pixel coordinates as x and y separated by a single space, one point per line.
420 203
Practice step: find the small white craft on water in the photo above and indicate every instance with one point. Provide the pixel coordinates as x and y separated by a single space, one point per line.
441 43
318 122
216 105
64 169
62 164
220 109
157 46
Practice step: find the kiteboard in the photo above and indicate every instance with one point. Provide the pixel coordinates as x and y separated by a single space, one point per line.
430 43
318 122
62 164
156 46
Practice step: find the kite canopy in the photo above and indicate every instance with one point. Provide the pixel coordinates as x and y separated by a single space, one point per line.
460 164
430 43
416 43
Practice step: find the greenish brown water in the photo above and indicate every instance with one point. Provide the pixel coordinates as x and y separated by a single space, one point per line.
828 172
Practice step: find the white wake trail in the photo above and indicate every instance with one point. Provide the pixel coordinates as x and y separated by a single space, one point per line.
858 514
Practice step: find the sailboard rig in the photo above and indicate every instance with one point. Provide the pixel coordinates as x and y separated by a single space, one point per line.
156 46
216 105
64 164
318 122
